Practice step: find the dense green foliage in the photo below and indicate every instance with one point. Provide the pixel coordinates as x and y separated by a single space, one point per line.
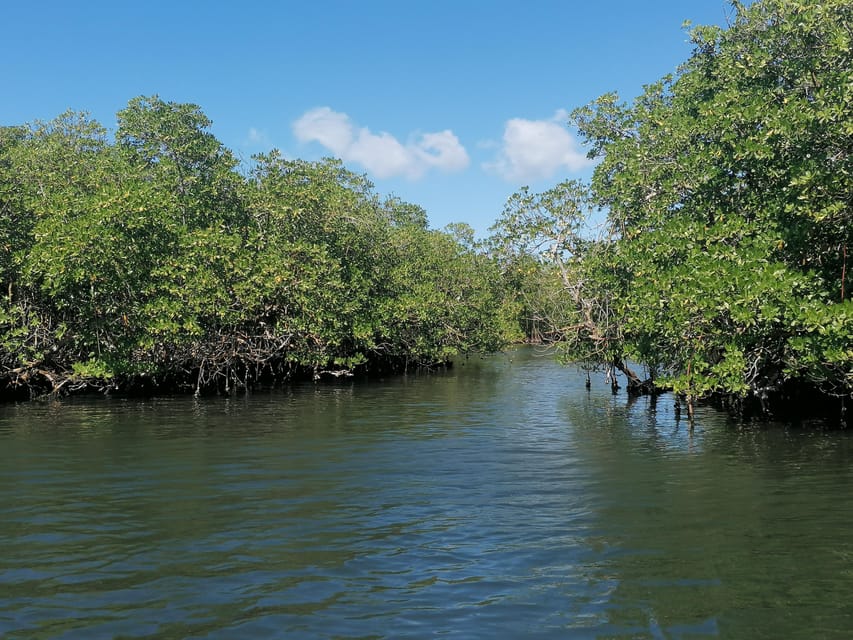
724 266
151 261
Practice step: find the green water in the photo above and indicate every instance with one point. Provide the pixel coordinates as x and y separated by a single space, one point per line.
498 500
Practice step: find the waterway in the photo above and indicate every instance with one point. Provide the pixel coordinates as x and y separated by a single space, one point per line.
500 499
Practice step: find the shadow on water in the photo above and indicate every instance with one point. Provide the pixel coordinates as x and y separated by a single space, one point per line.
498 499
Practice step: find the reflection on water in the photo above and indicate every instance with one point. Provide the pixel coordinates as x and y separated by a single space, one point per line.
499 499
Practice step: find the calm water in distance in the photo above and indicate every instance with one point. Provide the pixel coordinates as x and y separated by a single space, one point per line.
500 499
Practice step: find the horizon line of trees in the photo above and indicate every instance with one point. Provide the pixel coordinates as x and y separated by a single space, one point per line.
722 270
151 261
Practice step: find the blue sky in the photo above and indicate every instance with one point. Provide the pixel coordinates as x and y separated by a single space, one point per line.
452 105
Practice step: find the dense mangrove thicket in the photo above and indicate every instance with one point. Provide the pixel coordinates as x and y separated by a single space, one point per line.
151 262
723 267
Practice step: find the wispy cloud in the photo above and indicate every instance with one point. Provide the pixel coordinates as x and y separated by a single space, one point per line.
381 153
537 149
256 138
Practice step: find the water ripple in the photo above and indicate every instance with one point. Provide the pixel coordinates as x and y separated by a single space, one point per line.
501 499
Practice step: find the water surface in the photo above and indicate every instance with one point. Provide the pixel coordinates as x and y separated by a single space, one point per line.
500 499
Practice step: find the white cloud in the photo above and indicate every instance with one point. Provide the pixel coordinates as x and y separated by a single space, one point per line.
441 150
537 149
381 154
331 129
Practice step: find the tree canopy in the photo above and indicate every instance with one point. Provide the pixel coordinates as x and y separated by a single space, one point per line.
723 269
153 261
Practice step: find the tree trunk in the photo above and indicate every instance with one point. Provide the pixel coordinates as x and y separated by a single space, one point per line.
636 387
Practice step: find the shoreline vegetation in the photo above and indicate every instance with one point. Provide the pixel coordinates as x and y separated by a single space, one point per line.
723 264
151 262
711 245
